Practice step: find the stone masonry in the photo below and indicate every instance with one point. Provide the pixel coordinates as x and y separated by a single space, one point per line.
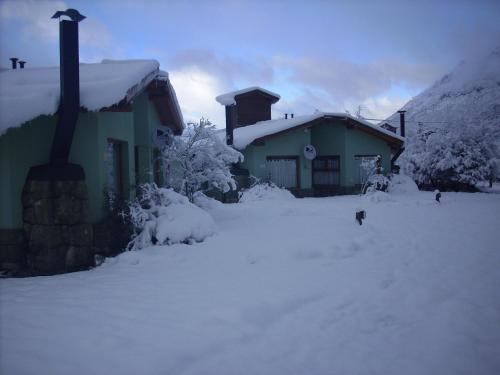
12 251
57 235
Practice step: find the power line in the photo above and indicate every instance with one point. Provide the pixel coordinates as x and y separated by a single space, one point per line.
407 121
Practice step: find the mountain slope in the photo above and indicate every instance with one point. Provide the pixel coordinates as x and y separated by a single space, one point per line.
467 96
457 119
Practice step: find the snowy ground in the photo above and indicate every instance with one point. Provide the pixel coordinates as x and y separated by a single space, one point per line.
284 287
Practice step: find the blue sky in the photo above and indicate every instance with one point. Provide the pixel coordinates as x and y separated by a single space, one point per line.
326 55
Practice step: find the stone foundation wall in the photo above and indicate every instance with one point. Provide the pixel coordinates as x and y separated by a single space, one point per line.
58 237
12 251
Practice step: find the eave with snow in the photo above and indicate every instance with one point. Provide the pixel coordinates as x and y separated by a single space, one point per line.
111 85
264 130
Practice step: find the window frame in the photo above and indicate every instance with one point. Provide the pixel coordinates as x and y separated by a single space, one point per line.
314 169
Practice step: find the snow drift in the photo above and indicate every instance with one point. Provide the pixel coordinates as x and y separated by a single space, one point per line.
163 217
268 191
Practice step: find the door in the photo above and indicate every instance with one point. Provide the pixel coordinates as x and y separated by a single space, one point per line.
283 171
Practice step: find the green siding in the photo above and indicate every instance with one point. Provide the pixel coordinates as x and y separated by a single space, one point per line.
329 138
288 144
361 143
29 145
146 120
21 148
118 126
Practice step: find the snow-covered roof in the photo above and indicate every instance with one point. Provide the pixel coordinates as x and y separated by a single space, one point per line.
243 136
228 98
31 92
163 76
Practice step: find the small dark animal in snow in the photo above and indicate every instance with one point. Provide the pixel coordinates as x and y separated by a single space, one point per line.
438 196
360 216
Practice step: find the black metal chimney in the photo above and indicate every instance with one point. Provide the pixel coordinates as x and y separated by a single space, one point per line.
21 64
231 114
291 115
14 62
286 116
402 122
70 86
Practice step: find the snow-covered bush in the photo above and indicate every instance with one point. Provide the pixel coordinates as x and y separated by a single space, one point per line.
376 182
452 158
161 216
372 178
264 191
198 160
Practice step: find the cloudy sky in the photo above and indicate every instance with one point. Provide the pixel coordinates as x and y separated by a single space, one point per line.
325 55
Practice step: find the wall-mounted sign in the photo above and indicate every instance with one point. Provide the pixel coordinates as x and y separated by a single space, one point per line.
309 152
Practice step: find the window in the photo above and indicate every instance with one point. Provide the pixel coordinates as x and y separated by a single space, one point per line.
283 171
326 171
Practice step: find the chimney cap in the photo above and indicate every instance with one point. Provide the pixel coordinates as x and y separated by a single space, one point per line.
401 111
71 13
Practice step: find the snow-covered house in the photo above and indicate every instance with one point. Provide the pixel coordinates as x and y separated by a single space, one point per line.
315 154
124 105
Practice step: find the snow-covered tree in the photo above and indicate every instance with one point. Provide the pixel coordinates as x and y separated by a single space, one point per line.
456 143
198 160
455 157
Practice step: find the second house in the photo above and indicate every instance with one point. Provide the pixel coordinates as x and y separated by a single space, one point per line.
318 154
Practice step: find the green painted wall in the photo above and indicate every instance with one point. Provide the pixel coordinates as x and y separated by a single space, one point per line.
20 149
362 143
146 121
29 145
288 144
328 139
89 149
6 201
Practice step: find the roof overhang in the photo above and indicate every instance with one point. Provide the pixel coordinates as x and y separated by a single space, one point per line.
162 95
350 123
